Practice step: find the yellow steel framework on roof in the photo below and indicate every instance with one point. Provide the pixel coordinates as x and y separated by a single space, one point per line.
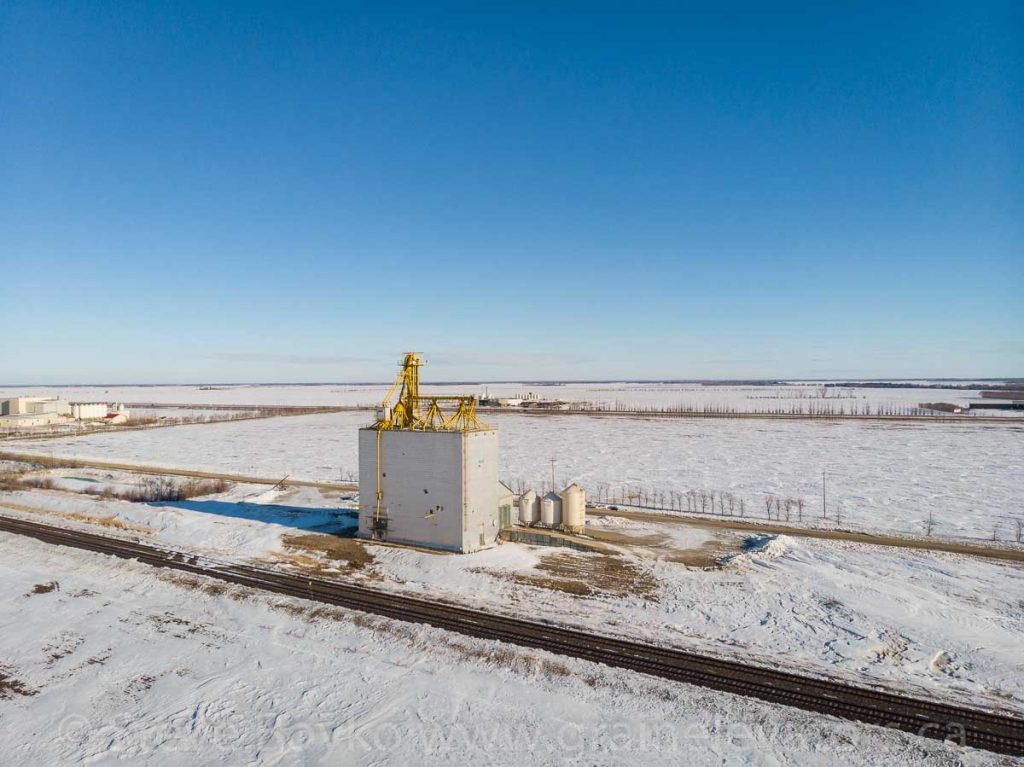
424 413
417 413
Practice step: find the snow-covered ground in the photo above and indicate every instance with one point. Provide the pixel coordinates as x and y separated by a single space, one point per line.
940 624
888 476
948 625
109 661
192 414
634 395
245 521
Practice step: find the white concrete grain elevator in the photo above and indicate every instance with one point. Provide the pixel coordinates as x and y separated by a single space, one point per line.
428 470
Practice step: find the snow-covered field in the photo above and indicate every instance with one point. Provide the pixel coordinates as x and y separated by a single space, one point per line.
634 395
888 476
939 624
197 414
116 662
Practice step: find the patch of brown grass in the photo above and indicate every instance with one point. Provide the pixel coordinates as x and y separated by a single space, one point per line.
136 687
39 461
163 489
349 552
595 574
310 613
176 626
622 539
67 642
40 483
585 574
208 586
573 587
111 522
146 420
707 555
11 686
44 588
10 480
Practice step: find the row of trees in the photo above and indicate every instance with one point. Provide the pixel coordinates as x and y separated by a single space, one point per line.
697 501
810 408
728 504
822 392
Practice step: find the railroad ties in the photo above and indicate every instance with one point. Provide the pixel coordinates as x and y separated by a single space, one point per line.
1000 733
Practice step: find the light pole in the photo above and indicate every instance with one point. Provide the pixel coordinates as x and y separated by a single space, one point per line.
823 515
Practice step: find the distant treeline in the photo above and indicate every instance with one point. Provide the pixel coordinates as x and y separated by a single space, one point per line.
1011 384
808 408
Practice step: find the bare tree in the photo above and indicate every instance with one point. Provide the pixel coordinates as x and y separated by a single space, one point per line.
768 501
839 512
995 532
1020 529
703 500
800 509
741 514
732 504
929 524
788 504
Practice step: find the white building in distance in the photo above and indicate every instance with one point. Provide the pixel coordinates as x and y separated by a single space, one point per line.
89 411
34 406
28 412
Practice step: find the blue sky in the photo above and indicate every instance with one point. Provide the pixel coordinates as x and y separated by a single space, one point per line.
300 192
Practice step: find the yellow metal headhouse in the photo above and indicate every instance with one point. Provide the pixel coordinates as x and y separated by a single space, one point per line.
424 413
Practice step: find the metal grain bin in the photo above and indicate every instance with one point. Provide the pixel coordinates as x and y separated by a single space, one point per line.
551 510
529 508
574 508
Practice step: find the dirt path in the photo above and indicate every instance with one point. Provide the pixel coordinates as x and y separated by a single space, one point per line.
162 470
924 544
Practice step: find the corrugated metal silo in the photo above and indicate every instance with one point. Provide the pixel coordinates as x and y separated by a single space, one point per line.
551 509
529 511
574 508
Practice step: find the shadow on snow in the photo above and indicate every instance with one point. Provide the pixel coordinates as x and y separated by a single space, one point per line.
335 521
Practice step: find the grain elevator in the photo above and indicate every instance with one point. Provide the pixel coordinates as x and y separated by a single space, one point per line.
428 470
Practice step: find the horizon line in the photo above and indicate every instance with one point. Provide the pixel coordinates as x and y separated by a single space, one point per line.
542 382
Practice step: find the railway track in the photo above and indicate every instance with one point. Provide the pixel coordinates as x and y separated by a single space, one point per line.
987 730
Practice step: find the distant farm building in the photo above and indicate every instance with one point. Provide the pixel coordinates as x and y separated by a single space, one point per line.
34 406
89 411
31 412
1012 400
27 412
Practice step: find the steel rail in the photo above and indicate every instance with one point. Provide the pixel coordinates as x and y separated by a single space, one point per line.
1001 733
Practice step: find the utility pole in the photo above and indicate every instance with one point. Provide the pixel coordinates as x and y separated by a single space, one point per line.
823 495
